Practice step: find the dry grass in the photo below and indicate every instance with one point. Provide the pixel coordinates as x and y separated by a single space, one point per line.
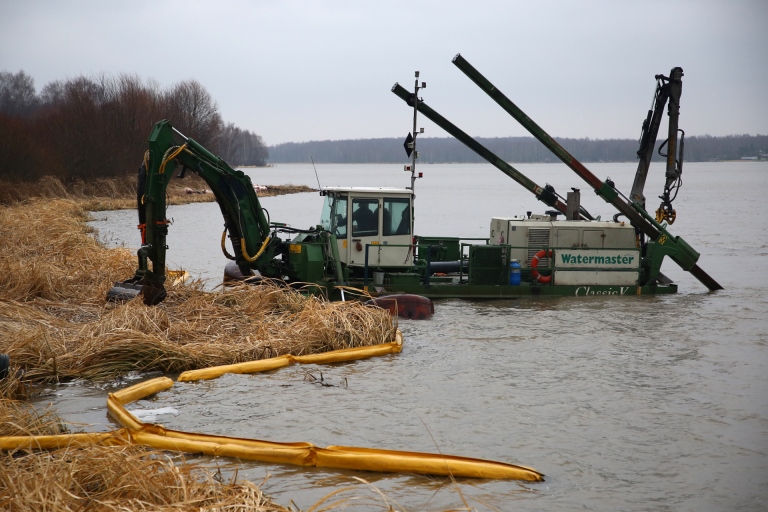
109 478
55 324
21 419
48 253
128 477
119 478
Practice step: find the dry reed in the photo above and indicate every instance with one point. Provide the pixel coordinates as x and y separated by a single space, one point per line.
119 478
21 419
109 478
55 325
129 477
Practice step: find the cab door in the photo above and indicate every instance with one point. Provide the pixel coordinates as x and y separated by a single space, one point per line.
338 212
396 223
364 229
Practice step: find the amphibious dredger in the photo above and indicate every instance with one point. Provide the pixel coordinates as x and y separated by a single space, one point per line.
582 255
365 238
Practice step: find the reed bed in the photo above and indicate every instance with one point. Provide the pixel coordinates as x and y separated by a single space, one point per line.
55 324
11 387
49 253
132 478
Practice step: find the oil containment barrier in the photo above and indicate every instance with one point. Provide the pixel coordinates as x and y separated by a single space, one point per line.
274 363
298 453
303 454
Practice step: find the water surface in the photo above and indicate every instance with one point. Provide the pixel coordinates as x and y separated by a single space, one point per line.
631 403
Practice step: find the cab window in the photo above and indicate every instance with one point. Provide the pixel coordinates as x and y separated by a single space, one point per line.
339 218
334 215
365 217
397 216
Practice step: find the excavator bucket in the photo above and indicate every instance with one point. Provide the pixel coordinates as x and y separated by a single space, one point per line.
123 291
154 293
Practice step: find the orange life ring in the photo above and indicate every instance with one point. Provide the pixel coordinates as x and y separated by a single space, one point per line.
535 263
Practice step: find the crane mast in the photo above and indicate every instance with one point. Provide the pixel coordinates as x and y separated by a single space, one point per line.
668 90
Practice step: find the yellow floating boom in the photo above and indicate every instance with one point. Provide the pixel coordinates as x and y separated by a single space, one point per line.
305 454
301 454
274 363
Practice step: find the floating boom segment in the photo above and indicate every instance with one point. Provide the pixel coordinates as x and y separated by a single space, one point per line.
543 194
674 247
297 453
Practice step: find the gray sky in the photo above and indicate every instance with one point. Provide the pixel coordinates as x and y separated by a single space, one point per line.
317 70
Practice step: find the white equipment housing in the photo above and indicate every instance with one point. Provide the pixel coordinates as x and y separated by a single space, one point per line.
585 252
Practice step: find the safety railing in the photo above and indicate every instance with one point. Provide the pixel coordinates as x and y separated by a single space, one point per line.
415 247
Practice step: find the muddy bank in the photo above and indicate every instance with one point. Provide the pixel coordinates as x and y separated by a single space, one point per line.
119 193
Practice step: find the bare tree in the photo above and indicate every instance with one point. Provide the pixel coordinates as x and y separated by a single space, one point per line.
191 109
242 147
17 94
85 127
52 94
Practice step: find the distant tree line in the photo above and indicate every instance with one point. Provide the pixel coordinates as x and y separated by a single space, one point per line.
511 149
87 127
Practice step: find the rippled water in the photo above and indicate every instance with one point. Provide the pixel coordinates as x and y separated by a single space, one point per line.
636 403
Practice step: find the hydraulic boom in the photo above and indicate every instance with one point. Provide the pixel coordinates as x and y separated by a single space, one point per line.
545 194
244 219
661 242
668 89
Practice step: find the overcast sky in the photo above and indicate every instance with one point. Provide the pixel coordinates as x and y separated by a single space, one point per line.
323 69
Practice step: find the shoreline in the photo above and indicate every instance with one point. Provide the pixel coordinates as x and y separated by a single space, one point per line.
119 193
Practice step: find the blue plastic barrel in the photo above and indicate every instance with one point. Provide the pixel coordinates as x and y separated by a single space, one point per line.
514 273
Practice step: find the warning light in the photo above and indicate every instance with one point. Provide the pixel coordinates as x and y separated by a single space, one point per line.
421 175
407 168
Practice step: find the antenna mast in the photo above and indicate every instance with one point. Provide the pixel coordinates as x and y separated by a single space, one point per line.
410 141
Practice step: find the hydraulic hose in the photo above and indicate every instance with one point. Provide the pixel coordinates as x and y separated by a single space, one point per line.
251 259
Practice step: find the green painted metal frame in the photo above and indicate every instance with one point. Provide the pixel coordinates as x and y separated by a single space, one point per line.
674 247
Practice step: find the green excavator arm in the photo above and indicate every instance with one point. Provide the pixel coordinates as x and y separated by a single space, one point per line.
244 219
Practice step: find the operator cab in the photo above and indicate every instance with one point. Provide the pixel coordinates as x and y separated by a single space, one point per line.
374 219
